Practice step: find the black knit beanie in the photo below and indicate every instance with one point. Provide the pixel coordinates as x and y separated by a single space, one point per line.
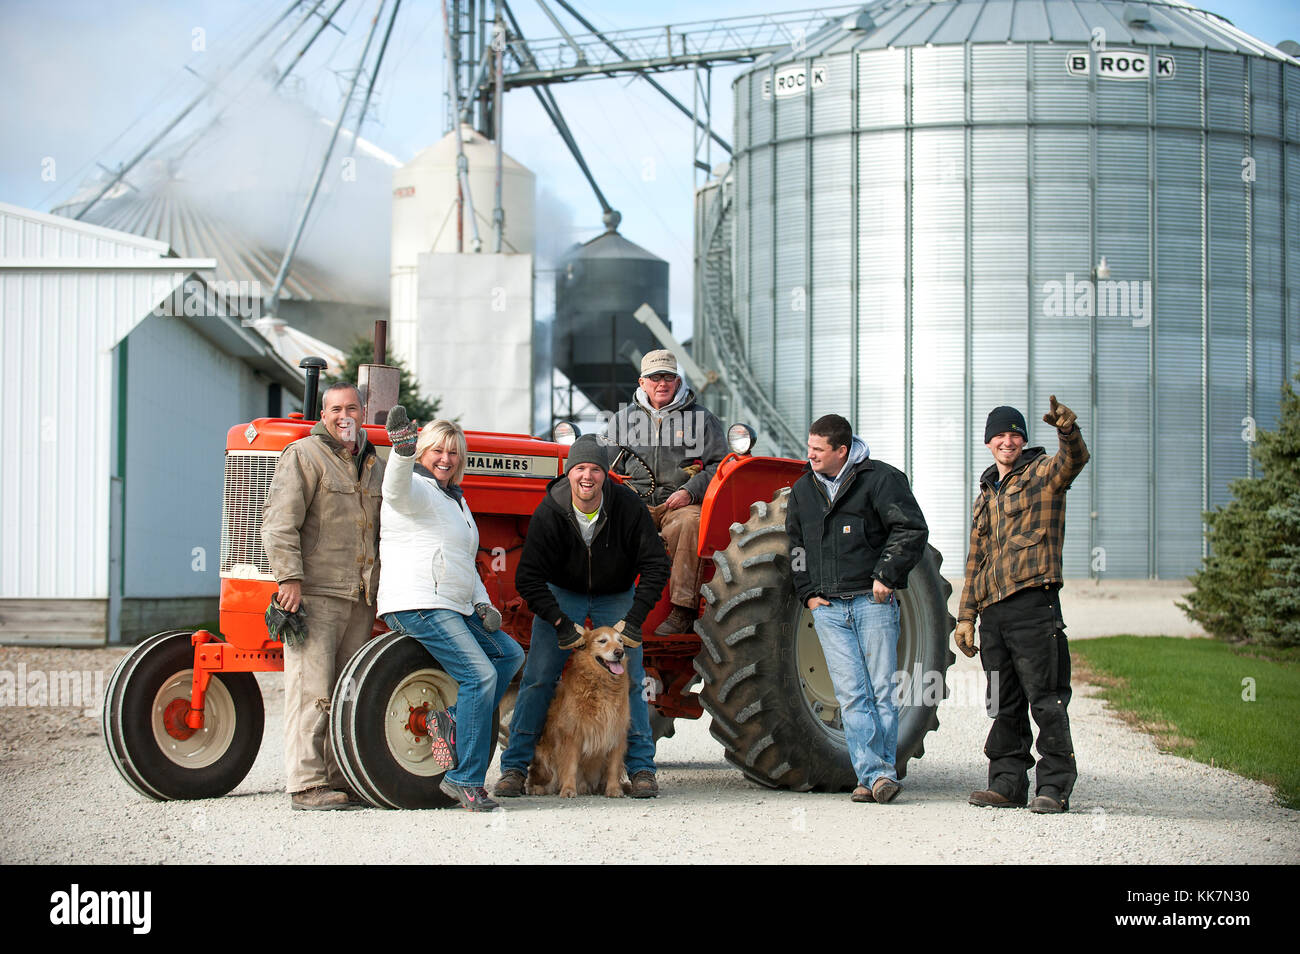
587 450
1005 419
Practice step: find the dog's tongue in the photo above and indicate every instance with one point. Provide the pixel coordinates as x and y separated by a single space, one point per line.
616 668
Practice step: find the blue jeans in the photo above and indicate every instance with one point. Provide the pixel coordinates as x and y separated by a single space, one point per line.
542 675
482 664
859 638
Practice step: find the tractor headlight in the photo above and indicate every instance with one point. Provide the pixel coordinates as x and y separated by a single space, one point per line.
741 438
565 432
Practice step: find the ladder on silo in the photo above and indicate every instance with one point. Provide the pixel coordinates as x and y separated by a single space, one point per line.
720 316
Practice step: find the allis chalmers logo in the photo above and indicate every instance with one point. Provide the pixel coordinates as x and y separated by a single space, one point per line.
511 464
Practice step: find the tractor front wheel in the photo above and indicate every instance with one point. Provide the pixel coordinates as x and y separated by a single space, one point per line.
382 701
766 683
145 705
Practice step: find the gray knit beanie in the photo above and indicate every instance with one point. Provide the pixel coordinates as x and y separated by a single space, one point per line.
587 450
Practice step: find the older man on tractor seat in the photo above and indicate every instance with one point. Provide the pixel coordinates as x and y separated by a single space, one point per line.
681 443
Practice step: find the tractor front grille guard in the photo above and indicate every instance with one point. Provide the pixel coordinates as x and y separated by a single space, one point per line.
248 480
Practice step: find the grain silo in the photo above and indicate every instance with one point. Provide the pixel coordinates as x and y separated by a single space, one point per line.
462 318
597 342
945 206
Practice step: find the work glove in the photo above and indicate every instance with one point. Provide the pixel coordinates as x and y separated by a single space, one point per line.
569 634
690 470
489 615
401 432
288 628
964 636
1060 417
631 635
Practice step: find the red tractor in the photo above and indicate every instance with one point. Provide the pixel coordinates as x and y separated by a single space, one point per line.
183 713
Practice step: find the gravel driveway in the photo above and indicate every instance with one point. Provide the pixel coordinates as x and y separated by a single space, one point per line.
61 801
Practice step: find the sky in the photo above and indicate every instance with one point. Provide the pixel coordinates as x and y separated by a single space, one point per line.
90 82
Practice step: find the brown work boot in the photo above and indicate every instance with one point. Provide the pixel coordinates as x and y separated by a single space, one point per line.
1048 805
678 621
885 790
644 785
510 785
862 794
988 798
322 798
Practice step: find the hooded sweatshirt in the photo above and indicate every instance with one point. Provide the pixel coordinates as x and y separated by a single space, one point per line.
623 545
668 439
858 452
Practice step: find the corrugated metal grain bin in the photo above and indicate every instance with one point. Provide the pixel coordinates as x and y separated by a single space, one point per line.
925 194
598 287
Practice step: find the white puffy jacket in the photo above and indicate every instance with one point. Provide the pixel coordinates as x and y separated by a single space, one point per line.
427 545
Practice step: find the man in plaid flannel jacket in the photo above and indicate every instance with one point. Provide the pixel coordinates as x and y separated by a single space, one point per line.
1013 578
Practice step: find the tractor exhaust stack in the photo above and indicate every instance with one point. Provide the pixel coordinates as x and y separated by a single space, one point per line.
313 366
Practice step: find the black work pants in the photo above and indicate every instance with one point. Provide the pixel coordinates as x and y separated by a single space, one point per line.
1027 661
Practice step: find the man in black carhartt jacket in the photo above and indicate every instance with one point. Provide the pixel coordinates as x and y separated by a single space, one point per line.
587 543
856 532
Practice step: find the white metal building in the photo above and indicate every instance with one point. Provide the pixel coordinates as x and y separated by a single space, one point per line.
120 381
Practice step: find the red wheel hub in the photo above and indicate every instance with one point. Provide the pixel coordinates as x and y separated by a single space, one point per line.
174 719
417 723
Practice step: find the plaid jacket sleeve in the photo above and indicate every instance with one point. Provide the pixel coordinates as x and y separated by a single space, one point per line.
1018 534
1067 462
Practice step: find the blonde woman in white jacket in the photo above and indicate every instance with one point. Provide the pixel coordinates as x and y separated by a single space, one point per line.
430 589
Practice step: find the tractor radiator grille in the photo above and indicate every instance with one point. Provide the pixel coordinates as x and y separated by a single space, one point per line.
248 479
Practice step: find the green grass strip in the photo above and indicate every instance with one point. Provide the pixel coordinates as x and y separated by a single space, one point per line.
1206 700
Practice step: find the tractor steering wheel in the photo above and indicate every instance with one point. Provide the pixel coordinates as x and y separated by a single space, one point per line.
624 450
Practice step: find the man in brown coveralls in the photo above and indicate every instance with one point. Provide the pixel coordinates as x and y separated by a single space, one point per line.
320 530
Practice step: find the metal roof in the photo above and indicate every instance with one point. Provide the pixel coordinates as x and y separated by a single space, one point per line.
159 206
182 195
900 23
293 344
609 245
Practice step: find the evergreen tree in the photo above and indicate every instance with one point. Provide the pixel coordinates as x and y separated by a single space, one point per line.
1278 620
1248 589
362 352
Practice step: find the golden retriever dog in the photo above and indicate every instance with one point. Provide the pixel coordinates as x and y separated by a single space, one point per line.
581 749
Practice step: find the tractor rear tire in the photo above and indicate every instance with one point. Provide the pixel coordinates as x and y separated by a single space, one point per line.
765 679
141 737
383 760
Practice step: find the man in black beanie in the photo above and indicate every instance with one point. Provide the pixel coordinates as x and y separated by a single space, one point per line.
588 541
1013 579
